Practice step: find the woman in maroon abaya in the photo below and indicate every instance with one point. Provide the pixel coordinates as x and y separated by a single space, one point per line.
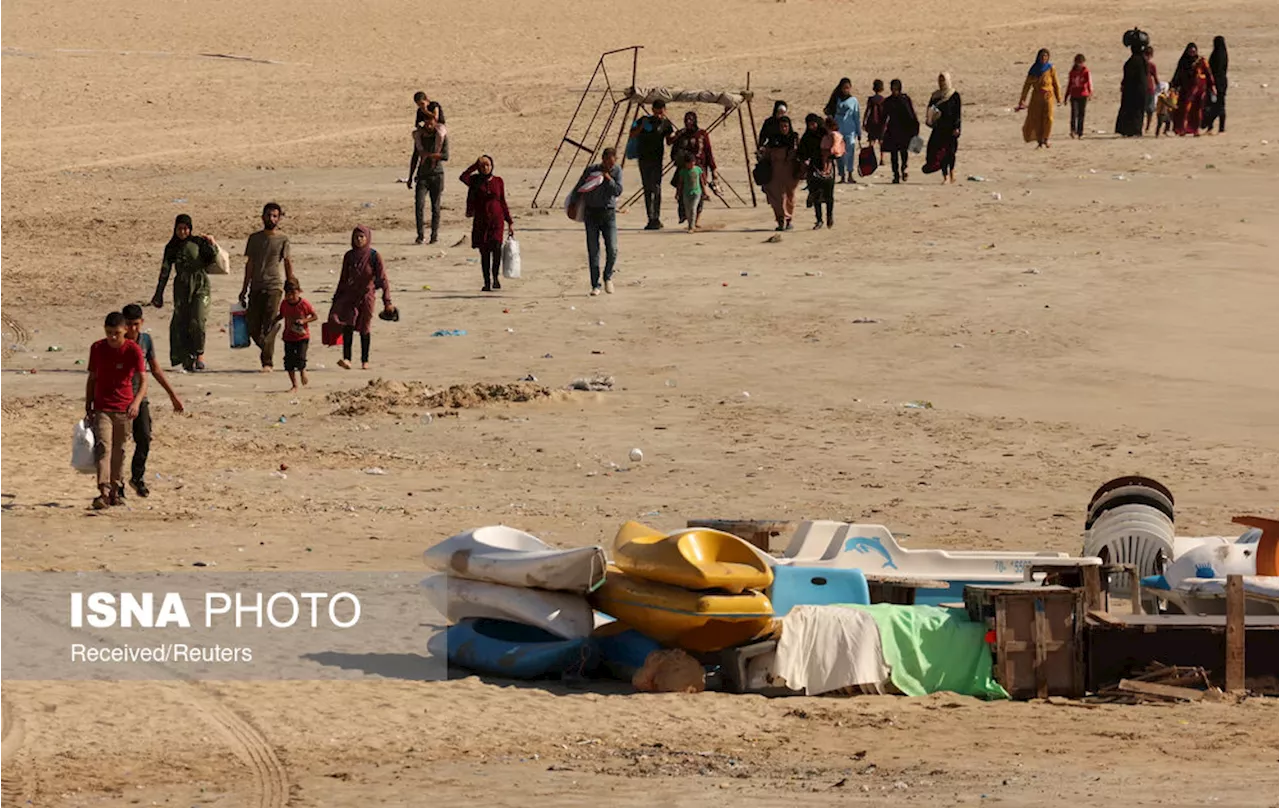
362 275
487 208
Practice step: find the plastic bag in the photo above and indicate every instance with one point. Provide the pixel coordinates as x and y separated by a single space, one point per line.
574 209
82 440
221 263
917 145
511 259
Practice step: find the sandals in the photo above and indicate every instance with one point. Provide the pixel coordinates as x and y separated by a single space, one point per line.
345 364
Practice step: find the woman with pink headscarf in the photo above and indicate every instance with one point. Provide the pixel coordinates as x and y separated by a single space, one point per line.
362 275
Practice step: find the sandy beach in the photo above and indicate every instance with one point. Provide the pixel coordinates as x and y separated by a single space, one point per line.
1113 311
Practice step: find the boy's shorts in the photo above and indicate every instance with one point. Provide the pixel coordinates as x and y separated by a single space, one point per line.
295 354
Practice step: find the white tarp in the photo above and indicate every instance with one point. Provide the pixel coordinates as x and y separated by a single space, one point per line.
826 648
647 95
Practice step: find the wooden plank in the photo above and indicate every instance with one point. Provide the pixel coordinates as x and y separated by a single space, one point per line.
1161 691
1041 630
1092 587
1235 634
1106 618
1004 664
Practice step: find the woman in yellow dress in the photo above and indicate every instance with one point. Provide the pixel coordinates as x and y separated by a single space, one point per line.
1042 84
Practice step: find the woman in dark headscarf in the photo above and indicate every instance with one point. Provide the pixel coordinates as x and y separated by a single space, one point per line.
488 211
1134 87
900 126
769 128
1042 85
1194 82
943 116
780 151
1217 110
353 300
188 256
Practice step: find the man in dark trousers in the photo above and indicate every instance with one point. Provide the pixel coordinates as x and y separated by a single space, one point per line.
430 153
653 133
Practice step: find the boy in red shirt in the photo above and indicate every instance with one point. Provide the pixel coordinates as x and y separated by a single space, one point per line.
112 403
297 315
1079 88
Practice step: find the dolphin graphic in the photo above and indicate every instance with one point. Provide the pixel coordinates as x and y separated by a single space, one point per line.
862 544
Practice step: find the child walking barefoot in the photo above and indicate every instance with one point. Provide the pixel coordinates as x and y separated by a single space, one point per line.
297 315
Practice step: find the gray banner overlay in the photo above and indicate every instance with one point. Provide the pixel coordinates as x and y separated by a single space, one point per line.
217 626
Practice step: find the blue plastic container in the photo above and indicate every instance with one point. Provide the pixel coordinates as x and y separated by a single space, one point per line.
238 329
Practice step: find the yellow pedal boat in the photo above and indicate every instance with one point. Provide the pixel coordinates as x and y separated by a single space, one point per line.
694 621
695 558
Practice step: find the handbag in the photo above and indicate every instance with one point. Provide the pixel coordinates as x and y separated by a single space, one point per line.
331 333
762 173
867 161
221 263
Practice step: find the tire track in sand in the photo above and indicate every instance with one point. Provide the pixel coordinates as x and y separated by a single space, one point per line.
270 780
13 790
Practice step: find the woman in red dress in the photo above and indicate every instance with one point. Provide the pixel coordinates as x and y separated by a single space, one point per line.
1194 82
487 208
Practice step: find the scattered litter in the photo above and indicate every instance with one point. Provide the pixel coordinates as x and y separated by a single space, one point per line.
460 242
636 455
996 196
774 239
427 418
366 204
652 513
957 345
1120 177
1093 171
672 383
284 466
598 353
426 288
375 471
726 283
976 178
282 419
53 348
743 274
473 260
280 474
79 362
511 331
449 332
864 320
1146 157
1032 271
1209 165
595 383
745 394
181 201
817 274
199 564
546 356
599 322
918 405
528 378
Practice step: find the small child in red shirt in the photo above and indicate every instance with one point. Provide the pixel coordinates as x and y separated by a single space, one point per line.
111 403
1079 88
297 315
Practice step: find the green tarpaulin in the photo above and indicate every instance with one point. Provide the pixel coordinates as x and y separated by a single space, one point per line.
931 649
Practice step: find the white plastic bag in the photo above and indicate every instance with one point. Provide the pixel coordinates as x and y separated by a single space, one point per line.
221 263
574 208
82 440
511 259
917 145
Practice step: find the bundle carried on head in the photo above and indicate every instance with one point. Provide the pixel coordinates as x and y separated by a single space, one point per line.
1136 38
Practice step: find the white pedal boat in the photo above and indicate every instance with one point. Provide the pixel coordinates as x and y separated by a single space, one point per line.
504 555
560 613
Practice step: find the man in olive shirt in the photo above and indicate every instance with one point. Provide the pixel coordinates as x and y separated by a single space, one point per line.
265 253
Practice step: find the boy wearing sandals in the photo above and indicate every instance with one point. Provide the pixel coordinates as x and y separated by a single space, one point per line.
112 403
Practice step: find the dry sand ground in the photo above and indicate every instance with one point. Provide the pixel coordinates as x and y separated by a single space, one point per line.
1145 343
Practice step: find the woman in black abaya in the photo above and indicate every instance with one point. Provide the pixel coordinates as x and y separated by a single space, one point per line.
1133 89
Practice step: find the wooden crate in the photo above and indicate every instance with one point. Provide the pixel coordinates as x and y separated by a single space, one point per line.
1038 647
